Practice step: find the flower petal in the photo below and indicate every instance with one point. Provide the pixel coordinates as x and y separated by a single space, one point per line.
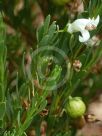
85 36
97 20
69 29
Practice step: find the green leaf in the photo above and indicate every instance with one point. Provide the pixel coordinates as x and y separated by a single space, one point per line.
2 59
42 30
95 8
52 29
44 41
2 110
54 77
46 24
42 106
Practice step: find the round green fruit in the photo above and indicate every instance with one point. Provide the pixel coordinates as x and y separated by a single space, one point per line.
60 2
75 107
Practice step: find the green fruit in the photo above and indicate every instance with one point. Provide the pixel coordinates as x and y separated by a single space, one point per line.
75 107
60 2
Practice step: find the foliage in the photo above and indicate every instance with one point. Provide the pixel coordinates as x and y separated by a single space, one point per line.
41 65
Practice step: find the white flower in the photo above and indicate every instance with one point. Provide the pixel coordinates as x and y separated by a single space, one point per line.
83 26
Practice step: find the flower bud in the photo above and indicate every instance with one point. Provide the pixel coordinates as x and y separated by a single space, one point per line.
75 107
77 65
